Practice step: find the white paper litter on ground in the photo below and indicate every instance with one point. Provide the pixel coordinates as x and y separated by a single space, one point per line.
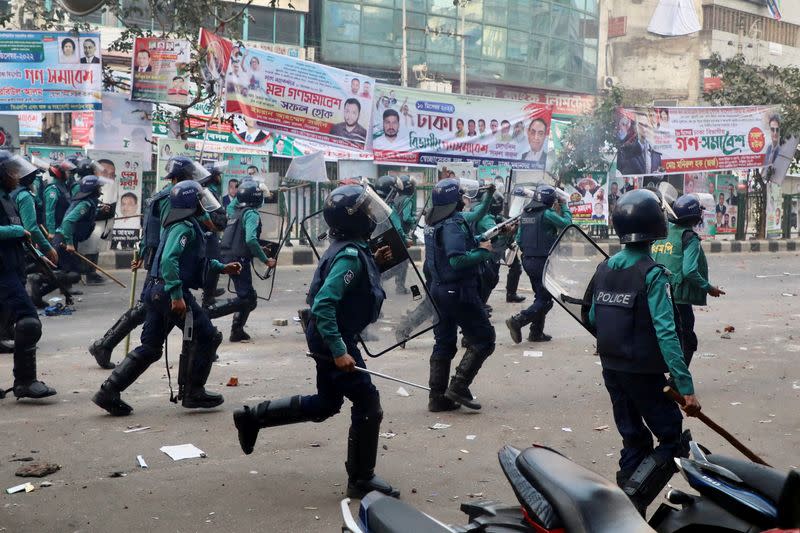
568 430
27 487
403 392
140 459
472 437
183 451
532 353
439 425
135 429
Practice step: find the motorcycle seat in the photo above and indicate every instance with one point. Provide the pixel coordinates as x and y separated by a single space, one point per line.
390 515
585 501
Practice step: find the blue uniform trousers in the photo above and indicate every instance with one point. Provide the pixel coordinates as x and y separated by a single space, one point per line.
688 336
639 403
460 305
543 301
14 300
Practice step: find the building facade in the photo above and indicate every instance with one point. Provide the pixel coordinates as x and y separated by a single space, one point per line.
672 70
523 44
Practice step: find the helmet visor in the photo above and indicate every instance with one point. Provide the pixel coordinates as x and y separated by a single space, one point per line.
17 167
520 198
208 201
469 188
371 205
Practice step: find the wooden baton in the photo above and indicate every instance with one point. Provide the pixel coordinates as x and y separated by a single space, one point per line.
90 263
674 395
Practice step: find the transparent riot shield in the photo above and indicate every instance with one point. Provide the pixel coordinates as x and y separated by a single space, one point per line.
408 310
569 270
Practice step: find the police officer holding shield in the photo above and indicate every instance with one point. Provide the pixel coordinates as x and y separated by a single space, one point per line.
542 219
634 319
453 257
345 296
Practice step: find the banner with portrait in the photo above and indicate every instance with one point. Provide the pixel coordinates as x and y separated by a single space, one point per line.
416 127
124 125
125 168
50 71
54 154
9 133
774 211
218 54
588 198
158 70
168 148
677 140
726 206
300 98
82 128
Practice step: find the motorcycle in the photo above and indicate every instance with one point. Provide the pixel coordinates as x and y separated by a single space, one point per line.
556 495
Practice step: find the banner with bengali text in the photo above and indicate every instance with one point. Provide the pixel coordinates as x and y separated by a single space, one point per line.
159 70
50 71
678 140
416 127
300 98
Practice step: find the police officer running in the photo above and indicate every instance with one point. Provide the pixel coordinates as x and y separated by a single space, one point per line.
452 258
179 265
542 219
683 256
213 182
14 301
240 243
632 313
181 169
490 272
345 296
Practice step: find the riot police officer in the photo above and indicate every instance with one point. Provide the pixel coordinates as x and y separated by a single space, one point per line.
452 257
57 194
157 208
213 182
14 301
179 265
683 256
345 296
632 313
490 271
539 226
240 243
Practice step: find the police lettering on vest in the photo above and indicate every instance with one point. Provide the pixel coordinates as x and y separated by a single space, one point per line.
621 299
535 239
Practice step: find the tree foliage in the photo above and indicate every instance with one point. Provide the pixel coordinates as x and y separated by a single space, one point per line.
744 83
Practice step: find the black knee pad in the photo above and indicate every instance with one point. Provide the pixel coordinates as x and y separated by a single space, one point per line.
251 302
327 412
370 411
147 354
28 331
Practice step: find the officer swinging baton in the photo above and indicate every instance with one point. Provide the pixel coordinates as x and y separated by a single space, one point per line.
321 358
674 395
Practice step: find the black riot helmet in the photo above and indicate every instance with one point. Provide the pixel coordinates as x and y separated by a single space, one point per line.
496 207
688 210
353 211
385 185
86 167
408 185
639 217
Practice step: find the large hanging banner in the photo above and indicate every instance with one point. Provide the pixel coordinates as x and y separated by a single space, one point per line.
299 98
418 127
159 70
774 211
30 124
218 54
125 168
50 71
82 128
124 125
54 154
677 140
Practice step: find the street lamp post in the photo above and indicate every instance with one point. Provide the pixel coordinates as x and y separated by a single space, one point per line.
462 81
404 54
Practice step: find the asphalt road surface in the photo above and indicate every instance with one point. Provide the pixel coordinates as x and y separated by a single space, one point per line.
295 479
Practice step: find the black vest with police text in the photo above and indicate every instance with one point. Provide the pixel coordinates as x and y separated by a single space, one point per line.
436 260
193 263
626 337
535 239
234 243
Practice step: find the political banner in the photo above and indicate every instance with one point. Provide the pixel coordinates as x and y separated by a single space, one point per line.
82 128
125 168
50 71
774 211
415 127
446 170
159 70
168 148
726 207
677 140
30 124
588 198
300 98
9 133
218 54
500 175
54 154
124 125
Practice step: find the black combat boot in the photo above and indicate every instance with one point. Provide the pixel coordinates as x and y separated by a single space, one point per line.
440 374
231 305
515 325
467 369
25 383
514 298
124 374
6 333
35 284
512 284
238 334
101 349
362 453
537 333
266 414
199 367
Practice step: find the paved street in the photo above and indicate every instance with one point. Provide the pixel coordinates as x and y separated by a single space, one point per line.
295 478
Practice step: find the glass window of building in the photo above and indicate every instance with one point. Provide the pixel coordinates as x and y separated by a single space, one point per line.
473 45
495 12
441 36
287 26
377 25
415 34
520 14
494 42
261 26
442 7
343 21
518 46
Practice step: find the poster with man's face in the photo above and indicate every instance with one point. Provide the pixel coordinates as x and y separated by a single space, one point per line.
125 168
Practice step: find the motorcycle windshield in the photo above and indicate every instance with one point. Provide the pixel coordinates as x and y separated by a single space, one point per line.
568 272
